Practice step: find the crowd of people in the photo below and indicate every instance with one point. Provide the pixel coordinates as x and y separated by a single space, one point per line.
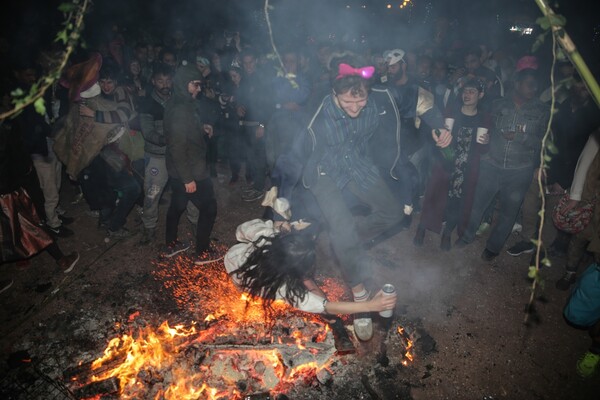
444 137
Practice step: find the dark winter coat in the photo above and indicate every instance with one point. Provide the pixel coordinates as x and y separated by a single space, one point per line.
183 126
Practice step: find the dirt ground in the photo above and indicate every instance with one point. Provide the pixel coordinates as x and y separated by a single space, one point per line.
470 311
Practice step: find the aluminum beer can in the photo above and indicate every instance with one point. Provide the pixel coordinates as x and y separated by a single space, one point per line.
388 290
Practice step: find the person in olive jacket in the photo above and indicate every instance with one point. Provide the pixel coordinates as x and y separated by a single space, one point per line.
186 130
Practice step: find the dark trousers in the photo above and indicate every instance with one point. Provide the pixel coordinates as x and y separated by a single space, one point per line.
511 185
405 186
204 199
128 192
236 151
256 158
348 237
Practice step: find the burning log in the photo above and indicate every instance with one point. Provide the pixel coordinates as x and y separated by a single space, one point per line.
106 386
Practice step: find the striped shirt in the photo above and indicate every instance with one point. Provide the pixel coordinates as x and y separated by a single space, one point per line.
123 109
345 157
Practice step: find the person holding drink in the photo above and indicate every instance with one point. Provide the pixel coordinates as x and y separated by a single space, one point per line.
451 188
519 123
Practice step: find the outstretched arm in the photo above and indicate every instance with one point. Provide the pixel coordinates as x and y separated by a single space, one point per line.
378 303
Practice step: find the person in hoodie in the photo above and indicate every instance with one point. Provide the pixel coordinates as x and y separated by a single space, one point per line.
185 131
507 170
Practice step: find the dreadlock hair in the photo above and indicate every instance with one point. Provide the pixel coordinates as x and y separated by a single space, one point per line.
283 260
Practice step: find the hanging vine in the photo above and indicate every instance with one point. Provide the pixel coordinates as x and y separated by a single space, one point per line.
553 24
69 36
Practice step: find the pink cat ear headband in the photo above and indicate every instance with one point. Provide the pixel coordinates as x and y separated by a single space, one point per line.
348 70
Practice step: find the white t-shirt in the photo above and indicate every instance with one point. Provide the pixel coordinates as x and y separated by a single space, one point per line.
247 233
583 165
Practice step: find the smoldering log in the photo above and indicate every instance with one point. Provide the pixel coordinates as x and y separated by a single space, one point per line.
106 386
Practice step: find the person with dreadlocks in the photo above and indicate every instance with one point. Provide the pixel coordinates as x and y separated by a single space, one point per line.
272 264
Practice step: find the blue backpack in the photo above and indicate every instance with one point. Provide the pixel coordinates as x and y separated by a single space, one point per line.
583 307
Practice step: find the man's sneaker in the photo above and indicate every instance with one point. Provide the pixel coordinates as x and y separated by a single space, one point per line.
566 281
148 236
588 364
5 284
60 232
67 263
175 248
207 257
521 247
122 233
483 228
517 228
66 220
488 255
363 327
253 195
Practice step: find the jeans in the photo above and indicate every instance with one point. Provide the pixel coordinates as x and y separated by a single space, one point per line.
345 234
204 199
49 171
155 180
511 185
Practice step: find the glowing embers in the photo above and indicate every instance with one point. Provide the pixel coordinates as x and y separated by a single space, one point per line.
407 342
234 349
190 362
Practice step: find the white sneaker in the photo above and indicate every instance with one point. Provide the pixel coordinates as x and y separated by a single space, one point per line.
517 228
483 228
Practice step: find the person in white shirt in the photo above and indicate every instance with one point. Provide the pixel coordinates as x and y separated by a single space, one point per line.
276 265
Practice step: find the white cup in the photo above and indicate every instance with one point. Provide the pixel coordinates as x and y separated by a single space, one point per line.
482 136
449 123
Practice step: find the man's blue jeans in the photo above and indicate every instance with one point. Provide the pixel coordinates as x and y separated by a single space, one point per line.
511 185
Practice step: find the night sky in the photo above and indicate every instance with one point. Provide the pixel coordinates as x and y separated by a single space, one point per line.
34 22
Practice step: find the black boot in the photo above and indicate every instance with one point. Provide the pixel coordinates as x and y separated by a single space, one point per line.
406 221
446 243
419 236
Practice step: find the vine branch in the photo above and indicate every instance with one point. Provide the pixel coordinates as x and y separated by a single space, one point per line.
70 36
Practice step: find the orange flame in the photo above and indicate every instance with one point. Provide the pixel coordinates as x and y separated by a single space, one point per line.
144 357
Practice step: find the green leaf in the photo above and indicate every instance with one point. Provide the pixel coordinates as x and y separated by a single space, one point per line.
61 37
40 106
547 158
546 262
543 22
66 7
557 20
533 271
539 41
18 92
551 147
